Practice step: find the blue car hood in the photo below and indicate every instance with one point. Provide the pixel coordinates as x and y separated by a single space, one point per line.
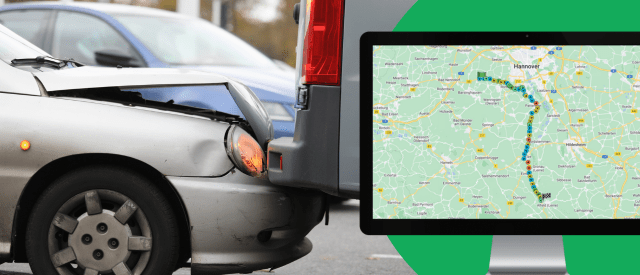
279 84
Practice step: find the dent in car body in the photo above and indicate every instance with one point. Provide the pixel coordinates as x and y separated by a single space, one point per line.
95 77
172 143
21 82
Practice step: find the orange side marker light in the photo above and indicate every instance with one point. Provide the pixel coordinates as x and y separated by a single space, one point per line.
280 162
25 145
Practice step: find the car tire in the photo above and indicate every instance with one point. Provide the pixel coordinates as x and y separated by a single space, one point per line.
98 220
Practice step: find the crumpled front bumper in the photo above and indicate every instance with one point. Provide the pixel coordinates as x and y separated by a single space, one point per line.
241 224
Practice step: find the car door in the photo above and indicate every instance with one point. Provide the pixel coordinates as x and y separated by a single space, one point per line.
91 41
31 24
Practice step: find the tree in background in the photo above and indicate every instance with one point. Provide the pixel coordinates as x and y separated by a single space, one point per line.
276 39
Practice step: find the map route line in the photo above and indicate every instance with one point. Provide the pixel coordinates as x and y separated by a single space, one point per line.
482 76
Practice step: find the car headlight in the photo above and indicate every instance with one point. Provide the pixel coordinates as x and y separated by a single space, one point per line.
245 152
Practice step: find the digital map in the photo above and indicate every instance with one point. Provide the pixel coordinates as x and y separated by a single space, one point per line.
506 132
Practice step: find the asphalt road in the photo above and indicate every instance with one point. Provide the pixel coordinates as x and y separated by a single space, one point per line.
339 248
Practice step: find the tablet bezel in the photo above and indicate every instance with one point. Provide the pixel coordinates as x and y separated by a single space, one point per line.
372 226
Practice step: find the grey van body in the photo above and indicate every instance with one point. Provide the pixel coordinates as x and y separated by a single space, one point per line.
328 123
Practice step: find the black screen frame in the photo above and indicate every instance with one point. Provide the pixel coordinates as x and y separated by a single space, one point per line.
372 226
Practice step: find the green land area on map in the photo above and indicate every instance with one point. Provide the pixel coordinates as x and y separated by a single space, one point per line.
448 145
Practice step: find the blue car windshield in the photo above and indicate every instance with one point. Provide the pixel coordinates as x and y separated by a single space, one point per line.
185 41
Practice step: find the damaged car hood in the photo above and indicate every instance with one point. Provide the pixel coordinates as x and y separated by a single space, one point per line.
87 77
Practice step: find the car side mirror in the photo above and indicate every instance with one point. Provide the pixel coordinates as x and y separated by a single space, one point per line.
114 58
296 13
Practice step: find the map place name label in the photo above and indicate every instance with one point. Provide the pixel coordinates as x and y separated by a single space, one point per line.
427 58
487 157
583 210
491 101
451 182
496 176
518 66
462 122
469 93
420 138
575 144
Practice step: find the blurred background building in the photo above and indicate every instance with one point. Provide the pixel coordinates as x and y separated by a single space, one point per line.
266 24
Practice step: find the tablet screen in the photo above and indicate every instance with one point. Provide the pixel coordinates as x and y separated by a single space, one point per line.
505 132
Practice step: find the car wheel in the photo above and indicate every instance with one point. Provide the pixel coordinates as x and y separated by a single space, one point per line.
102 220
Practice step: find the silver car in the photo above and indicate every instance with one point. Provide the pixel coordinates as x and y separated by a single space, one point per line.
95 179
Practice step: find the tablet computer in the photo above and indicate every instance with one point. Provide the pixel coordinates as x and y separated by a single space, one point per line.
532 133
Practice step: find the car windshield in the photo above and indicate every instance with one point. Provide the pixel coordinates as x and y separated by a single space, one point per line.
182 41
14 47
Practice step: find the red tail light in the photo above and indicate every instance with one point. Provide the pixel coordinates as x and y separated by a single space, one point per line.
322 53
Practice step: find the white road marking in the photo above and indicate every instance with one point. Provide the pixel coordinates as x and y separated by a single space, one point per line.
386 256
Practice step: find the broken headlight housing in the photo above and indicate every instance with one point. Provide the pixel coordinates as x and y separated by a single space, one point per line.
245 152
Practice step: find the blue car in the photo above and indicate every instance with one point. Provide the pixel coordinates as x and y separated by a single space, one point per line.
111 34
